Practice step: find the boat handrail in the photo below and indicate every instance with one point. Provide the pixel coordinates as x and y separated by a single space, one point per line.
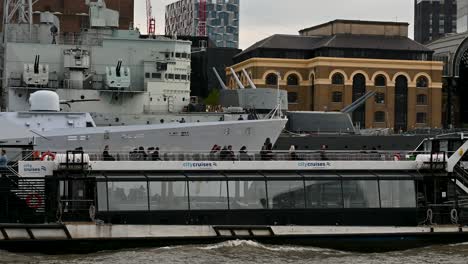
258 156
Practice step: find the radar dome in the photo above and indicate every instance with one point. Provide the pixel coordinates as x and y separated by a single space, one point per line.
44 101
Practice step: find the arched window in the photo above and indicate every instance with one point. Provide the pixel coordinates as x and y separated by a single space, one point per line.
337 97
293 79
421 99
271 79
379 117
292 97
380 98
380 81
337 79
422 82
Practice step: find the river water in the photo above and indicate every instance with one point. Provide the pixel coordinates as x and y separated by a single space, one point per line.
250 252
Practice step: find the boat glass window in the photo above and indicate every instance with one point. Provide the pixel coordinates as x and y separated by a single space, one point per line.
361 194
168 195
285 194
246 195
397 194
128 196
102 196
208 195
324 194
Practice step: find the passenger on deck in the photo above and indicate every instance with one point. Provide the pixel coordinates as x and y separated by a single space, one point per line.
105 154
323 150
230 153
155 154
292 153
243 155
215 152
269 151
264 152
133 155
142 152
223 154
3 159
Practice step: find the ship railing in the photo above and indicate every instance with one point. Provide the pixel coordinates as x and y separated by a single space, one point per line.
74 209
258 156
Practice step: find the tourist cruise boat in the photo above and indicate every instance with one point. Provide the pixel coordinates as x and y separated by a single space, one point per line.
366 201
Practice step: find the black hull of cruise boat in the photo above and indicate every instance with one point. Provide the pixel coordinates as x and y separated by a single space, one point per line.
366 243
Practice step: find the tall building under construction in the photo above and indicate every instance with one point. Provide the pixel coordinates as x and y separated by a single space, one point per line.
219 20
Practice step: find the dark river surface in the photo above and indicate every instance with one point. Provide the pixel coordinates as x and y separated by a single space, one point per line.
250 252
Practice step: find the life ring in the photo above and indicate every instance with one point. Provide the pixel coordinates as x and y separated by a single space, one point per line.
396 157
34 200
49 156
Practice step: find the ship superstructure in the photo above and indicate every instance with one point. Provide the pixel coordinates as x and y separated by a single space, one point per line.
133 76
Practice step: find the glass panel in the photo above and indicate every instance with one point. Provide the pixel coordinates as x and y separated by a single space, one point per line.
102 196
360 194
211 195
128 196
247 195
397 194
285 194
324 194
168 195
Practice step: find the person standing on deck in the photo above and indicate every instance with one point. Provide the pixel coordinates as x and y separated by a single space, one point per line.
3 159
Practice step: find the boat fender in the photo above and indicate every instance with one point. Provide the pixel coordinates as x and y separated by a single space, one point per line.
34 200
429 217
454 216
92 212
48 156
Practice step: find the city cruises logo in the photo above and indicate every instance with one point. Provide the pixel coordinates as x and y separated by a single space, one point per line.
315 164
200 165
34 169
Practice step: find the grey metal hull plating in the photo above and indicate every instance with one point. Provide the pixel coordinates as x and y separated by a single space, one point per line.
168 137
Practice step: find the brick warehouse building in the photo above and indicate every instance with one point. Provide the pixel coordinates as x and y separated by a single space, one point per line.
329 66
72 12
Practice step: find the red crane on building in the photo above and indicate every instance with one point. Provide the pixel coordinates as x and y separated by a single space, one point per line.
150 18
202 19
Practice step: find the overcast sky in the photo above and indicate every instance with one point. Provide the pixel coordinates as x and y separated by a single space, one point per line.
262 18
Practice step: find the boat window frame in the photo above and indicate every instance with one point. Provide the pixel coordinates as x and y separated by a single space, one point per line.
259 176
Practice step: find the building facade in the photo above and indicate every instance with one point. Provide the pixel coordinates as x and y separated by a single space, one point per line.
73 14
462 16
222 20
434 19
330 66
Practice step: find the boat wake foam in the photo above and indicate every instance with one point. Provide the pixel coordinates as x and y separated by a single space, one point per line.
253 244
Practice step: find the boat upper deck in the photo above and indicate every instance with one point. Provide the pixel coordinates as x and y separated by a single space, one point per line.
229 161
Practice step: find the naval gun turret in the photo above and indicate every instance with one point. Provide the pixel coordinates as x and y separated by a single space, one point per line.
36 74
118 77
